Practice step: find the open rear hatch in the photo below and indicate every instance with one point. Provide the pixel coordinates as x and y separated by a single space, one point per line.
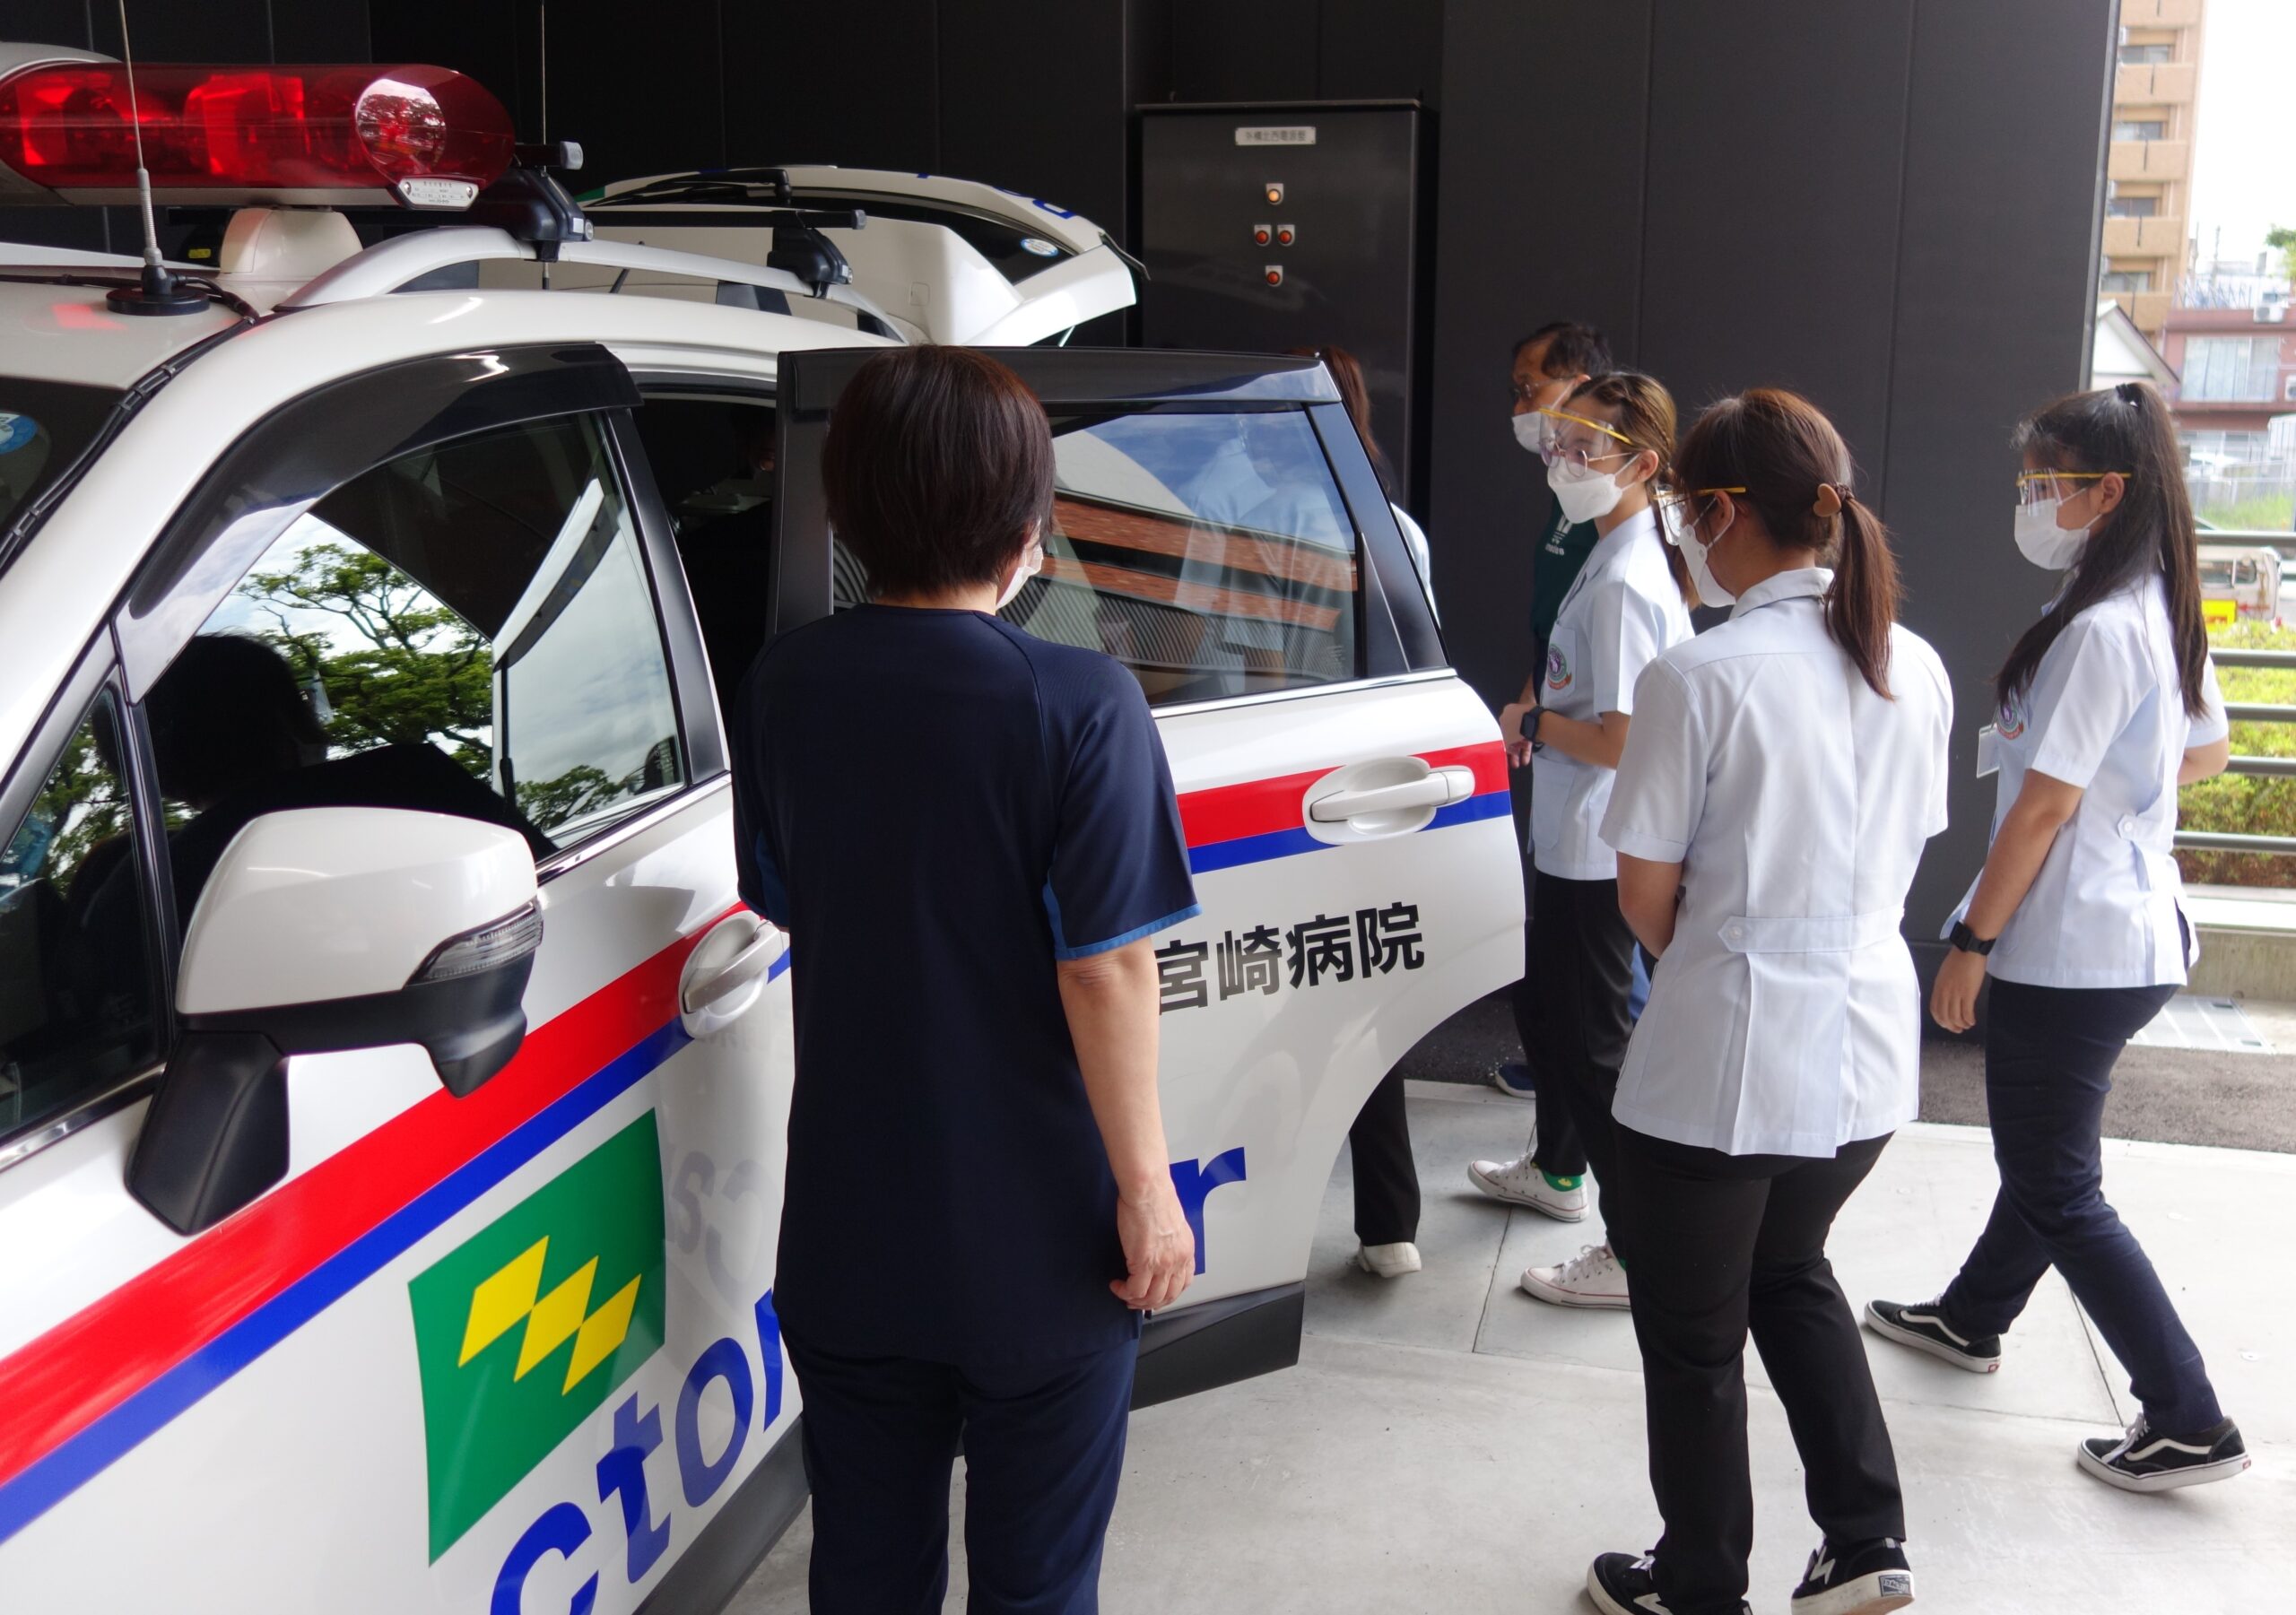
946 260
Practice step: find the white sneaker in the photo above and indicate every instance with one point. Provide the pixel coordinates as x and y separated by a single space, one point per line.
1592 1278
1519 1182
1387 1261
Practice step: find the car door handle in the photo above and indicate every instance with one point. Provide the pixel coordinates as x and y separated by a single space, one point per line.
1440 788
756 958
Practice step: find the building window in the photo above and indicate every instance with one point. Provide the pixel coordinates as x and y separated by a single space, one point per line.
2215 454
2127 280
2145 55
2231 369
2142 128
2132 207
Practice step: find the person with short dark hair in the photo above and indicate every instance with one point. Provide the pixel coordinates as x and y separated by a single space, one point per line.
1546 367
970 835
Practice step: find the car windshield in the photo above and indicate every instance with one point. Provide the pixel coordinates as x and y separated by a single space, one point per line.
43 426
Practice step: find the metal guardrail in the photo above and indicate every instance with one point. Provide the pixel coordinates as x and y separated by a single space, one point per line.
2252 712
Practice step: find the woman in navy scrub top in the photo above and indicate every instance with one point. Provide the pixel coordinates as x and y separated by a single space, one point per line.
2106 705
969 834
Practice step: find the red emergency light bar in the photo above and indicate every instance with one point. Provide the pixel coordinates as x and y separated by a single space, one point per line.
313 135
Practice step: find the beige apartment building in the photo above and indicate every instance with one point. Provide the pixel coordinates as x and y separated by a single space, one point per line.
2149 162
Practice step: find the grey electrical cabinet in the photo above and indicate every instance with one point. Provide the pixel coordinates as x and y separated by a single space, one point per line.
1266 228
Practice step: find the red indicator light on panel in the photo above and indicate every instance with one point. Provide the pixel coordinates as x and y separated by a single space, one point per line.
1285 235
1262 234
297 133
1275 274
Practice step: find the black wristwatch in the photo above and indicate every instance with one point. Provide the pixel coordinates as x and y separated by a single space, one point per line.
1968 941
1528 727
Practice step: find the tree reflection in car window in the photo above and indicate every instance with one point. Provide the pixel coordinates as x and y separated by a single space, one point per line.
466 630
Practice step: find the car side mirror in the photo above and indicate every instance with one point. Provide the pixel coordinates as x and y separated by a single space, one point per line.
323 930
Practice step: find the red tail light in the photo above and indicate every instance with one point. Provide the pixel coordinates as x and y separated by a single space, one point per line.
313 135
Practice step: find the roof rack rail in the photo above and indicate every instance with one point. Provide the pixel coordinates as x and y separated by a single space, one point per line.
393 265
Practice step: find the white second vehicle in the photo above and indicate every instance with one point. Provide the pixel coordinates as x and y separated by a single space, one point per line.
392 1087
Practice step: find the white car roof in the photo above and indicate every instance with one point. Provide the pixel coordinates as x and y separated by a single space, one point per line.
57 591
67 333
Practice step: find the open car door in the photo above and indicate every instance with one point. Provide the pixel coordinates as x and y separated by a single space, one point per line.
946 260
1219 530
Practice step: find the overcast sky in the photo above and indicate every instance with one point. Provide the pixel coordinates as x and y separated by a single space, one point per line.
2243 161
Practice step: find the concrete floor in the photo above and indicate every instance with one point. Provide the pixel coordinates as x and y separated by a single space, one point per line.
1449 1445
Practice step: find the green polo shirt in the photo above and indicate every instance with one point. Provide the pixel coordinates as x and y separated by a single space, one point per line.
1562 551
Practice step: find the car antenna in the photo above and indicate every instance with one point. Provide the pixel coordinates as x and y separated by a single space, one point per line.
159 292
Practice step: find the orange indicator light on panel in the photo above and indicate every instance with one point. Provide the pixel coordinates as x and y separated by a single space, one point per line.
1274 193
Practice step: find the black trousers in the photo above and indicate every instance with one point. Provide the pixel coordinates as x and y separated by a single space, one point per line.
1044 1449
1724 1245
1571 1008
2048 1065
1387 1179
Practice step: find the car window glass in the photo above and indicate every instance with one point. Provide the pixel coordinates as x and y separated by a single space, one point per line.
43 427
467 629
75 968
1211 554
712 459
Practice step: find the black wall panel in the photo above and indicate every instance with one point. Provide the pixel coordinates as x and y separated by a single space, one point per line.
1769 236
497 42
1892 206
339 31
1265 50
1058 136
1380 50
1540 217
213 31
641 97
2004 186
47 22
847 83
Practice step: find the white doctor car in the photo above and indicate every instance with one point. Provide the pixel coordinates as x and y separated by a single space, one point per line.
392 1087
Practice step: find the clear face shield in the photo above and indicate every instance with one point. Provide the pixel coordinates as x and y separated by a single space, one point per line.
2035 489
1580 443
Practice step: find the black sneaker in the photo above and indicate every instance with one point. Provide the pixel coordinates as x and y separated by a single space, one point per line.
2144 1460
1866 1579
1620 1583
1922 1326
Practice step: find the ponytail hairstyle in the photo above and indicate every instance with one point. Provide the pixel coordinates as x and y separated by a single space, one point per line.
2123 428
1645 419
1795 472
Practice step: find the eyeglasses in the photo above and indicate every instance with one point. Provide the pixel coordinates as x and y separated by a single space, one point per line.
1674 511
1528 392
2041 487
1567 441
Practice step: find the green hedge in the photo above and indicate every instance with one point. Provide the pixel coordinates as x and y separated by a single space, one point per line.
2239 802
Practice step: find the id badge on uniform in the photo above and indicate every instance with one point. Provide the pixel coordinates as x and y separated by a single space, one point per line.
1988 752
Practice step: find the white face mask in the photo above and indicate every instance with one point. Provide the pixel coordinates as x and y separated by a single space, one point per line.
1583 492
1530 431
2043 542
1032 563
1702 575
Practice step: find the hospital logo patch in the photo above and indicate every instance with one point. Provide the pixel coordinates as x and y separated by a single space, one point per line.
2009 723
1558 669
529 1326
